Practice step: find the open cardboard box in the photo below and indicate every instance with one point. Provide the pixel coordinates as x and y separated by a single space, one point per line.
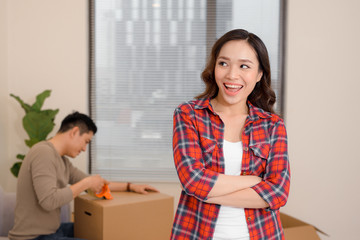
127 216
296 229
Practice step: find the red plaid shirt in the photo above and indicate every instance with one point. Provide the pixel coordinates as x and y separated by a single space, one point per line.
198 154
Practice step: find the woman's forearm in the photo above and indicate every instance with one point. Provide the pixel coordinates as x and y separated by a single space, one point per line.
227 184
246 198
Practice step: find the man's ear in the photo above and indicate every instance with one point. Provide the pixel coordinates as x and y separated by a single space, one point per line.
75 130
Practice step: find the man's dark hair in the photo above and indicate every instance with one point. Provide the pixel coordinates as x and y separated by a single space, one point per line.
76 119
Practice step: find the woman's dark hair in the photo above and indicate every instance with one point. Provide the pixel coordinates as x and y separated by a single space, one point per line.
263 96
76 119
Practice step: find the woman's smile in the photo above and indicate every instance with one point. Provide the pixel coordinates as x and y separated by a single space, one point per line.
232 88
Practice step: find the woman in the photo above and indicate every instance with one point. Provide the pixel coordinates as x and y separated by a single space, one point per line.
230 148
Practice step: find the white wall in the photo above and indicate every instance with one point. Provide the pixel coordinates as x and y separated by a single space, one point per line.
45 46
322 114
3 92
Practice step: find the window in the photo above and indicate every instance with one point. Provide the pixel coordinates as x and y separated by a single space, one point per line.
146 58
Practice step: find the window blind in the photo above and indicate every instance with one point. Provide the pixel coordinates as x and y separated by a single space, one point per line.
146 58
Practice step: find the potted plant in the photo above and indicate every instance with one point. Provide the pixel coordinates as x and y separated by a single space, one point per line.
36 122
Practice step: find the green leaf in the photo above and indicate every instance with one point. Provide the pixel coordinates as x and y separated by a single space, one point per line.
51 113
40 100
31 142
20 156
16 168
38 125
25 106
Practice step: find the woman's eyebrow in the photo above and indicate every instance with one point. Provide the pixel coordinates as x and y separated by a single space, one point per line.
245 60
239 60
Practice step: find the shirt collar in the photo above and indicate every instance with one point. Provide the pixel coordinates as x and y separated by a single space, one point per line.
203 103
254 112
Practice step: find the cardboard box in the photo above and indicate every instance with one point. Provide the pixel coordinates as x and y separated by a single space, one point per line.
127 216
295 229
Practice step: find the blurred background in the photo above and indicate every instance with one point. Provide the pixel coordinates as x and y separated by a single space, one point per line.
45 45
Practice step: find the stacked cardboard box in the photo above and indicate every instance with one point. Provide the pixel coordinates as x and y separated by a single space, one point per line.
127 216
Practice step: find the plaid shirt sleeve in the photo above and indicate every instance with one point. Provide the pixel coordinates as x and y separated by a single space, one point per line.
196 180
274 188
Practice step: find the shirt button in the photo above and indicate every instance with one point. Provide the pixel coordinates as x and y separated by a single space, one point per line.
244 173
246 149
249 218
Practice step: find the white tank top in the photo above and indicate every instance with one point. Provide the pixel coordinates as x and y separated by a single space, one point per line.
231 221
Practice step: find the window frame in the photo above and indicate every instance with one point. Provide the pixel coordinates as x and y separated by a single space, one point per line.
210 36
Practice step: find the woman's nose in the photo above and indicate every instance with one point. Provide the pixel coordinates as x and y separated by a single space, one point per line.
233 73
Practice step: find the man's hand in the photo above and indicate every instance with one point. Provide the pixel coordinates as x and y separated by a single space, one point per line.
143 189
95 183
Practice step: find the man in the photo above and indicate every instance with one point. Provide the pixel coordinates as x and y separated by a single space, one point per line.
47 180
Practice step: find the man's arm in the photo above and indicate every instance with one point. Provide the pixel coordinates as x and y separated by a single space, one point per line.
138 188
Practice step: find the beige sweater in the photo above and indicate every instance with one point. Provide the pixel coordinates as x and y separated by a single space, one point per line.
42 189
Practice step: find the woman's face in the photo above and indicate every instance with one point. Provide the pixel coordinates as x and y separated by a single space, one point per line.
236 72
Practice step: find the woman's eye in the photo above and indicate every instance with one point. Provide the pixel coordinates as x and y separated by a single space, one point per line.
244 66
222 64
